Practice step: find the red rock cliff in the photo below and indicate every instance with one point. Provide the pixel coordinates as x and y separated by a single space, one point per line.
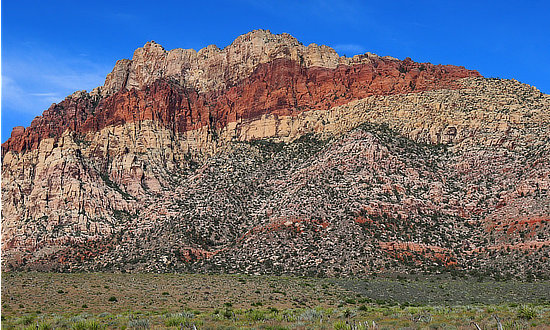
282 87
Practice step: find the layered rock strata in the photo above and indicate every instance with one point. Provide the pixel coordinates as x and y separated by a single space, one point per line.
237 159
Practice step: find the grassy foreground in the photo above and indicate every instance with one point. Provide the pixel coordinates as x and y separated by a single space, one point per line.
141 301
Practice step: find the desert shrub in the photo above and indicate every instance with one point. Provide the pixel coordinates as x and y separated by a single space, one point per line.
347 313
41 326
139 324
310 315
287 315
526 312
44 326
228 313
275 327
340 325
26 319
256 315
350 301
176 320
273 310
87 325
190 314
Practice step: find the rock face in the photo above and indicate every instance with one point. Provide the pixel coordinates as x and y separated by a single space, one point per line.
258 74
272 157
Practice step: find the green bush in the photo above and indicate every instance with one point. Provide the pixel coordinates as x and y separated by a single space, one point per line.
176 320
228 313
44 326
139 324
340 325
41 326
87 325
26 320
527 313
310 315
256 315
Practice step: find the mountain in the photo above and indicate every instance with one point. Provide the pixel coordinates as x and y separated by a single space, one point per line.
270 157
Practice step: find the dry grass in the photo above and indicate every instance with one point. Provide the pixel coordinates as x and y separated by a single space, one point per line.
142 301
55 292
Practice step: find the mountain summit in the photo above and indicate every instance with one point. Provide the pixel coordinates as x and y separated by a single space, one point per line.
269 156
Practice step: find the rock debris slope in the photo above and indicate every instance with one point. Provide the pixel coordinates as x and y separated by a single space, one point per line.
268 156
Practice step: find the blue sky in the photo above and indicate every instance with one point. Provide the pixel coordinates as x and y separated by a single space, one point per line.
53 48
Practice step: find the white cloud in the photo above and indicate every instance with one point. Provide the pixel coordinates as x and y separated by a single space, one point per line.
33 78
44 94
16 99
13 94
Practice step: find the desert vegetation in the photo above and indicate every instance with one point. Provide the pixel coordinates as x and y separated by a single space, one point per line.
143 301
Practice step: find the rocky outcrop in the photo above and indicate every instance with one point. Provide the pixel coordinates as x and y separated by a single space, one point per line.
272 157
280 87
212 68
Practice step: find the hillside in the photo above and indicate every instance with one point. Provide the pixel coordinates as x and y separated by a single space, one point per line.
271 157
